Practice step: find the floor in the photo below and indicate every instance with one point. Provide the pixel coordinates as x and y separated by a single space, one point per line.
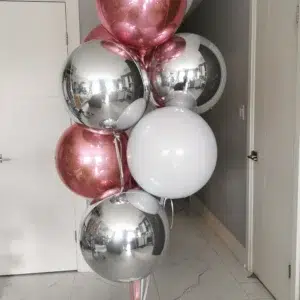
199 267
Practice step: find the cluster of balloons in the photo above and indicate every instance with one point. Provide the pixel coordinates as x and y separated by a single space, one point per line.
170 153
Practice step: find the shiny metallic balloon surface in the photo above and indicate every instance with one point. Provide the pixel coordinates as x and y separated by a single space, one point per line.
191 74
141 24
103 86
87 162
122 243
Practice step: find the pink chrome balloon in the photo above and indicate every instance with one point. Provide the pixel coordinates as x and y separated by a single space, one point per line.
120 50
109 42
87 163
169 50
99 33
141 24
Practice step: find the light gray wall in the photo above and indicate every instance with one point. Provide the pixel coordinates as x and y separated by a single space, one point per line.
226 23
87 17
88 14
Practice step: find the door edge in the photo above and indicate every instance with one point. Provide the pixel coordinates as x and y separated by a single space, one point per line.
250 135
295 263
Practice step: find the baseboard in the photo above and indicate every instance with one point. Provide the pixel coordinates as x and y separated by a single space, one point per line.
227 237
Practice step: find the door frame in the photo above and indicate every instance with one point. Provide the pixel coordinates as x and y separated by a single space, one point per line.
72 20
295 262
250 135
73 35
295 279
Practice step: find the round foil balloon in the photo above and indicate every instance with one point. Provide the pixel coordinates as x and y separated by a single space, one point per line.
103 86
141 24
99 33
192 75
87 162
121 242
172 152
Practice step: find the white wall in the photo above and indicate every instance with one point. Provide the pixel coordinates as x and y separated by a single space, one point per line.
89 20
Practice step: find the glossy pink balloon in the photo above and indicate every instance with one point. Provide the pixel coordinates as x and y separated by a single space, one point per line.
87 163
99 33
169 50
120 50
110 43
141 24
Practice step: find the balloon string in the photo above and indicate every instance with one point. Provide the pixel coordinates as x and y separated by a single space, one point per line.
172 207
118 148
163 202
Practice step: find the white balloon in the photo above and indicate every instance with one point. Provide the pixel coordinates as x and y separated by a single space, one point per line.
172 152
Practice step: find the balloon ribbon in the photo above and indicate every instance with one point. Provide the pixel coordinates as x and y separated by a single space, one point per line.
118 147
163 202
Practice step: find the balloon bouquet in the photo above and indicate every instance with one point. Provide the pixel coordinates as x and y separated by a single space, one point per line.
171 152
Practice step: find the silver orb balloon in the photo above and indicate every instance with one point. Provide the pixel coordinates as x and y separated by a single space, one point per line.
188 71
104 87
125 236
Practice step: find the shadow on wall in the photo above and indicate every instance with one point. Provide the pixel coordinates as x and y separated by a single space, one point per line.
226 24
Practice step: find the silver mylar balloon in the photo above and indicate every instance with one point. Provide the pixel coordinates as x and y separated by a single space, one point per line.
104 87
125 236
188 71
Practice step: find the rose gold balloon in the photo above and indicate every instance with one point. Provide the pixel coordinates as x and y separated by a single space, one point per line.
141 24
99 33
109 42
120 50
169 50
87 163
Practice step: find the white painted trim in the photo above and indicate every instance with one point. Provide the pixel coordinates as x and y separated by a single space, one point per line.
250 136
295 263
72 19
226 236
73 30
295 280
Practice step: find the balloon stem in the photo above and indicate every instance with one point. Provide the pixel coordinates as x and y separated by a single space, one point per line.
142 56
118 145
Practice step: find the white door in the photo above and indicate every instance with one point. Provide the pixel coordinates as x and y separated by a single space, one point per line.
275 125
37 219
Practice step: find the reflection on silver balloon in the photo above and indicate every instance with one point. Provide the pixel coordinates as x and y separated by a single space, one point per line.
103 86
192 75
121 242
